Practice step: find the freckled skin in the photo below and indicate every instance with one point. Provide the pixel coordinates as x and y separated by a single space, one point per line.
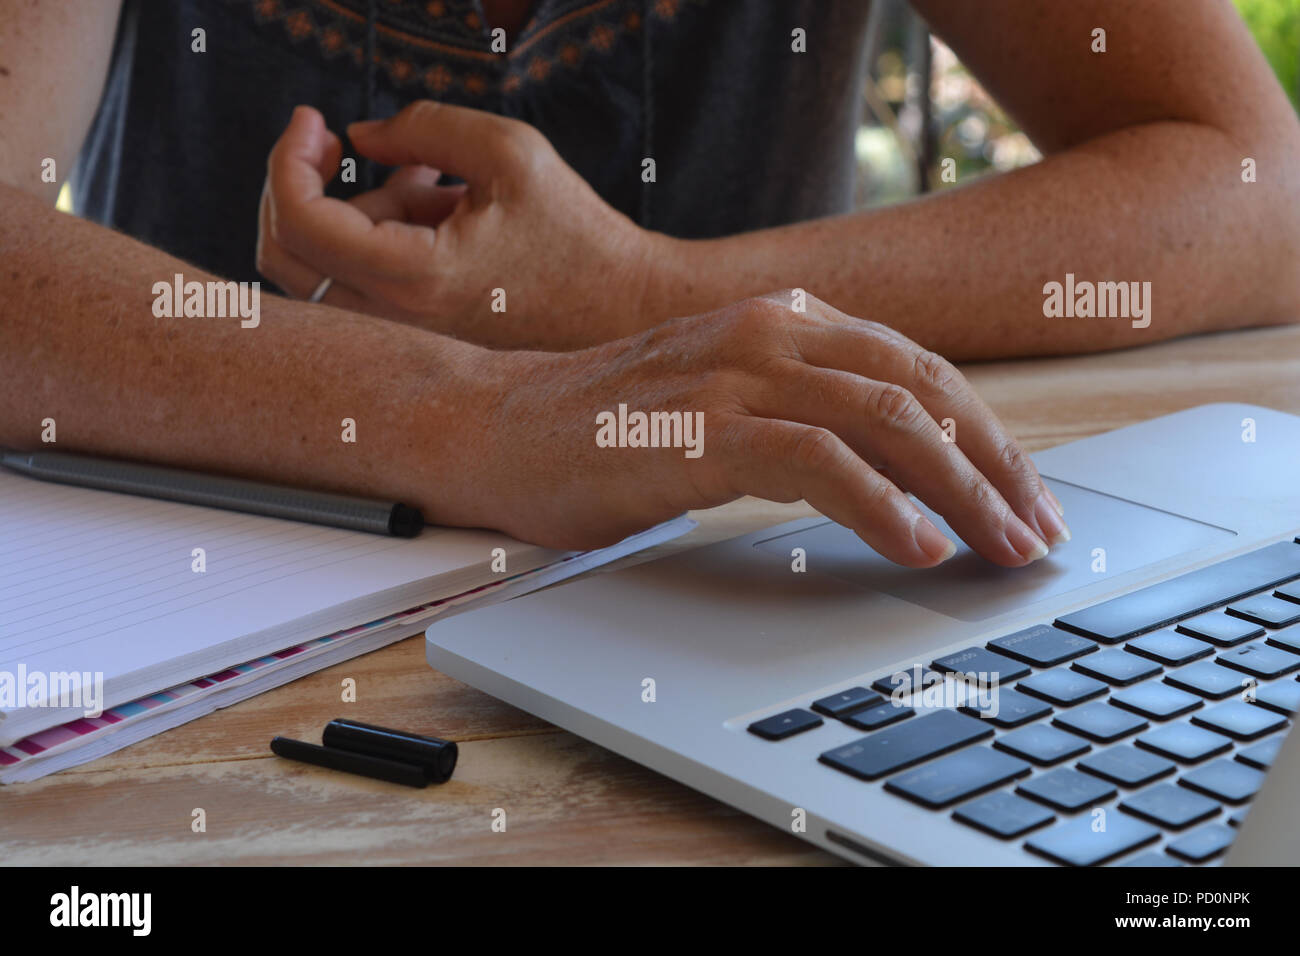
1141 181
1143 149
196 392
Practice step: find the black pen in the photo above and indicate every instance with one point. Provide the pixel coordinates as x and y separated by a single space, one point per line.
393 755
214 491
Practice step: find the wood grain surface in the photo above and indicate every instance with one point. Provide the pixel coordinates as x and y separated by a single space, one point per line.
567 801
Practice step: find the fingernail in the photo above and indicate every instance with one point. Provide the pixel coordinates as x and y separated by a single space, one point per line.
931 540
1026 544
363 126
1050 521
1056 502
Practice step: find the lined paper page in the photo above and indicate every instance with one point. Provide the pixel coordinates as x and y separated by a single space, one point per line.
96 581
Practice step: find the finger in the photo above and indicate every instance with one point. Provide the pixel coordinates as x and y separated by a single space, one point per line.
785 461
472 144
883 353
307 152
297 278
889 476
338 238
877 352
411 194
300 281
885 425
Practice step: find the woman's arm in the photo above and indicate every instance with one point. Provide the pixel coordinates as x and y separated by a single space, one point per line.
1141 182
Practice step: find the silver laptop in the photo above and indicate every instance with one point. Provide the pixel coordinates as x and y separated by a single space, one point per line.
1124 701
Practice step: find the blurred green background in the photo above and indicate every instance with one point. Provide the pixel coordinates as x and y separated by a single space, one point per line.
961 121
1276 25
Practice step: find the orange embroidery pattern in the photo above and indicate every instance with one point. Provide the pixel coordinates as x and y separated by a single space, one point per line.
450 52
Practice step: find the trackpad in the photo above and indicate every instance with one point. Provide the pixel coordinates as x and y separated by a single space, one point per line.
1121 533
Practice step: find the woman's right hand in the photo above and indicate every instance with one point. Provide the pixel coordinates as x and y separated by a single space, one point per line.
815 405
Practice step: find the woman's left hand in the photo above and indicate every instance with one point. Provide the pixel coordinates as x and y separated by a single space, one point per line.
523 255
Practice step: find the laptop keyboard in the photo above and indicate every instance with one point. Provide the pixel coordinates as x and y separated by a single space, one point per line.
1156 713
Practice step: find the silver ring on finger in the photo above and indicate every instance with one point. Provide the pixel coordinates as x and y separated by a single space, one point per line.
321 289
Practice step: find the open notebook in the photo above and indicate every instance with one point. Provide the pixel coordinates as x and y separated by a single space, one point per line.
86 738
153 594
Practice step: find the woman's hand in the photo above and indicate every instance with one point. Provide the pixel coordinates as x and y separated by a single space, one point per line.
814 405
525 254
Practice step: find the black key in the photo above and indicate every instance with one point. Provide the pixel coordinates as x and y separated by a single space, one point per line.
1226 780
1042 744
1218 628
902 681
909 743
1288 639
1239 719
1003 815
1267 610
1151 858
1062 686
1042 645
784 725
1260 660
1116 666
1169 601
1169 647
1262 754
1101 722
846 702
980 664
1207 679
1289 592
1076 843
1170 806
1066 789
1283 697
1203 844
957 776
1126 766
1155 700
1009 708
882 715
1183 742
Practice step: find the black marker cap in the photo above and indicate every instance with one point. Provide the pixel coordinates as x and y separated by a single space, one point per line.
405 521
435 757
394 771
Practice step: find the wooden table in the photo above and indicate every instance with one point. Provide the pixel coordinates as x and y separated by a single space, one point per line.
567 801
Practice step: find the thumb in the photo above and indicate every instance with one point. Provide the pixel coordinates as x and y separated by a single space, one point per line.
305 157
470 144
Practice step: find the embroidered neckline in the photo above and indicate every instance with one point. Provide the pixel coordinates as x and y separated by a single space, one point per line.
444 48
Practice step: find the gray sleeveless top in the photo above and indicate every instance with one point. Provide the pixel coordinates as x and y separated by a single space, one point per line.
745 132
